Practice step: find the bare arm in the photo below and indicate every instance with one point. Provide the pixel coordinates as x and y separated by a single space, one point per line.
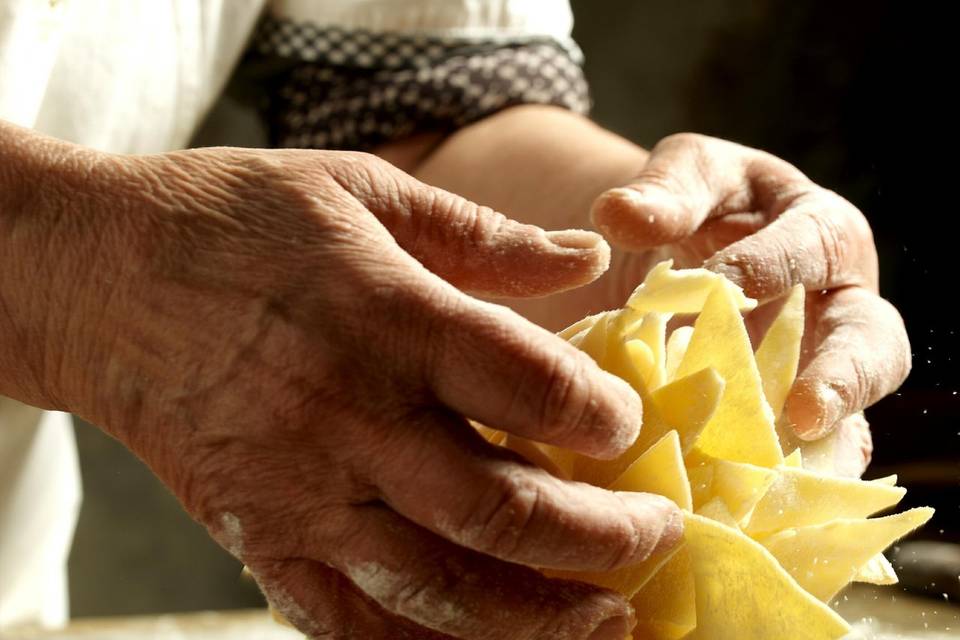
540 163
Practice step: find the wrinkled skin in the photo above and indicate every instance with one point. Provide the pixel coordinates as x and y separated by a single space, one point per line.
701 202
276 335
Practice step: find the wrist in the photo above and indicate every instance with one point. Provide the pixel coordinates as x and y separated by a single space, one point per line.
51 233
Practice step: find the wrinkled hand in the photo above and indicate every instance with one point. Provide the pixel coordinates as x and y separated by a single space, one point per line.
763 224
276 334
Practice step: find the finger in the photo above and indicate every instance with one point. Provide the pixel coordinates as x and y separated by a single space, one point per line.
844 452
475 248
860 354
446 478
687 180
481 359
820 241
323 603
854 447
495 367
416 575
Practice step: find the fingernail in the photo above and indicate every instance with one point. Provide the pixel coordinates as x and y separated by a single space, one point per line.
815 412
575 239
616 628
660 519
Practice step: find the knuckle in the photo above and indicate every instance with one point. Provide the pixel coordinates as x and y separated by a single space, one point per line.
598 604
860 391
844 234
365 164
832 239
858 228
547 394
788 270
446 229
629 544
427 218
281 581
448 213
418 594
484 222
371 180
567 405
501 526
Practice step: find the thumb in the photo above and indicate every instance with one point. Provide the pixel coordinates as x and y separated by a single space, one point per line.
687 180
476 248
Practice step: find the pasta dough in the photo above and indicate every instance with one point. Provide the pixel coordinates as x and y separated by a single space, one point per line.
767 543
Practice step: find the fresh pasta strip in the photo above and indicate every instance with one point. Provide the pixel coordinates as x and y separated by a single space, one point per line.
769 538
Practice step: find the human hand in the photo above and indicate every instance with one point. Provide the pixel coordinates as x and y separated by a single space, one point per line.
759 221
262 329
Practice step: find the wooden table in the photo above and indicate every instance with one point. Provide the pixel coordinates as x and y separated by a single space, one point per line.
876 614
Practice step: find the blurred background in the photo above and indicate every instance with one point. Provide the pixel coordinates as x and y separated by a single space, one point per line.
853 93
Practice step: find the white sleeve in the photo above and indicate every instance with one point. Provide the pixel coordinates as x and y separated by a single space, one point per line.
29 31
457 18
39 504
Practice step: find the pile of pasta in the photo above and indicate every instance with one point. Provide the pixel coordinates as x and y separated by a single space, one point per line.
768 541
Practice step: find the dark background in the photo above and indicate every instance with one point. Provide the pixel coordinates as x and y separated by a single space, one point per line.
853 93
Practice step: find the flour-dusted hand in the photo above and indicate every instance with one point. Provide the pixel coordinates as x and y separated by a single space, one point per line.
766 226
276 335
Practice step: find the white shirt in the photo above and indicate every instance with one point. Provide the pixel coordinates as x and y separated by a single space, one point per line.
137 76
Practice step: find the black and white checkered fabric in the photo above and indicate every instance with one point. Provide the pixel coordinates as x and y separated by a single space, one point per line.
355 89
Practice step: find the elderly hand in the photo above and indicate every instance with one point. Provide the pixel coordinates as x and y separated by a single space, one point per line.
264 330
763 224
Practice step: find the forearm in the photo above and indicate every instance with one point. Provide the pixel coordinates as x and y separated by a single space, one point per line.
538 164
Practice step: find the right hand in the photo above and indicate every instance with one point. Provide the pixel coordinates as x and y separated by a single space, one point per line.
767 227
275 334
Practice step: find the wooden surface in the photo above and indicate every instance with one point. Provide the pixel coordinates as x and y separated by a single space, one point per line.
876 614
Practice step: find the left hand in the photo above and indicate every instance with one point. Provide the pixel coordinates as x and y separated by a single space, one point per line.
762 223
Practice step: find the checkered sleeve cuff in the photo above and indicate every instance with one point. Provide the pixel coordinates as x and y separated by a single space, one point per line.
333 88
